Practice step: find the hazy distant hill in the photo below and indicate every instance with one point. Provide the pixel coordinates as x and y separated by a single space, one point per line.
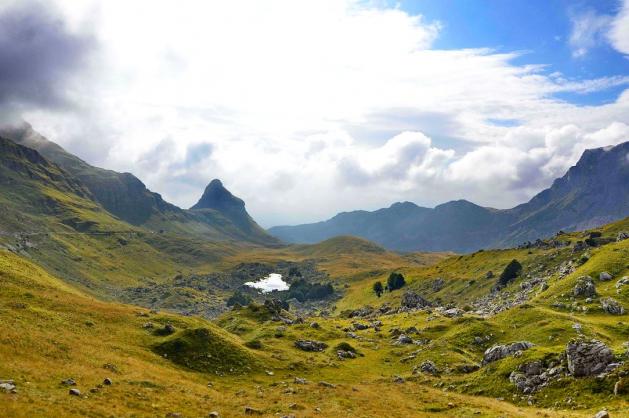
592 193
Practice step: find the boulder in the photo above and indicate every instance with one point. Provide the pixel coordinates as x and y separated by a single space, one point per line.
584 288
403 339
344 354
438 284
413 300
7 386
75 392
605 276
602 414
275 306
428 367
588 358
310 345
498 352
622 282
453 312
612 307
623 235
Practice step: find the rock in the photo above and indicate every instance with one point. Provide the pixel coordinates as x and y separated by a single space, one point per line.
489 275
452 312
252 411
438 284
403 339
68 382
310 345
612 307
622 236
498 352
622 282
214 414
343 354
107 381
300 381
74 392
587 358
585 287
428 367
362 312
148 325
315 325
602 414
398 379
7 386
359 327
326 385
605 276
174 415
467 368
413 300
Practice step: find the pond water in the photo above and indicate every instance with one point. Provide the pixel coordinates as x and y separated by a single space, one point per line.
271 282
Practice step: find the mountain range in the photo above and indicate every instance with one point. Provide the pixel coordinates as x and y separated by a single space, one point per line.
218 215
593 192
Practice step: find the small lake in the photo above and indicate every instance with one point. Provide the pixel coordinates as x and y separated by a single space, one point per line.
270 283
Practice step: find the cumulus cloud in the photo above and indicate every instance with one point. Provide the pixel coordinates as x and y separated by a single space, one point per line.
305 109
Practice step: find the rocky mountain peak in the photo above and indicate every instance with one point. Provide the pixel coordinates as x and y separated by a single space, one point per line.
216 196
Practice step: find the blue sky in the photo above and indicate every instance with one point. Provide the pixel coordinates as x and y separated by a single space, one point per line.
308 108
541 29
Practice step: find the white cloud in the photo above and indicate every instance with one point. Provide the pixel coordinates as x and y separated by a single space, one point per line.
589 29
619 33
305 109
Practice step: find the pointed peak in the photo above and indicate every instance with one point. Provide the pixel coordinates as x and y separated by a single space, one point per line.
216 196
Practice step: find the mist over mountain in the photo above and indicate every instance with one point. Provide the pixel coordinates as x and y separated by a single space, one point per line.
593 192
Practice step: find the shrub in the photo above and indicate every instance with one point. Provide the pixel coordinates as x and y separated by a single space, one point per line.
378 288
239 298
254 344
513 270
345 347
395 281
302 290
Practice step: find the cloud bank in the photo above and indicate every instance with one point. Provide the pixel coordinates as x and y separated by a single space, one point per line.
305 109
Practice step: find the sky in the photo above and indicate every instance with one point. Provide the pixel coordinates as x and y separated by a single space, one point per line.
308 108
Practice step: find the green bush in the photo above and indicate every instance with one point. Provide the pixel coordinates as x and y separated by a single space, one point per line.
395 281
513 270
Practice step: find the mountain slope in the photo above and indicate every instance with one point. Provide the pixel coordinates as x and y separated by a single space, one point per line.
125 196
593 192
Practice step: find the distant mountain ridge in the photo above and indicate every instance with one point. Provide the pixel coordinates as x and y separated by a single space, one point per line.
126 197
593 192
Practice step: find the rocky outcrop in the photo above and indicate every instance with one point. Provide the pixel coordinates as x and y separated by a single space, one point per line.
427 367
612 307
498 352
414 300
531 377
588 358
584 288
605 276
623 235
310 345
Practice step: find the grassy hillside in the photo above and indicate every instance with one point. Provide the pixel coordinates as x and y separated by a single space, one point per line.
53 332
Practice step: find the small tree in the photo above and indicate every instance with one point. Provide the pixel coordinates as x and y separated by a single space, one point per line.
395 281
513 270
378 288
